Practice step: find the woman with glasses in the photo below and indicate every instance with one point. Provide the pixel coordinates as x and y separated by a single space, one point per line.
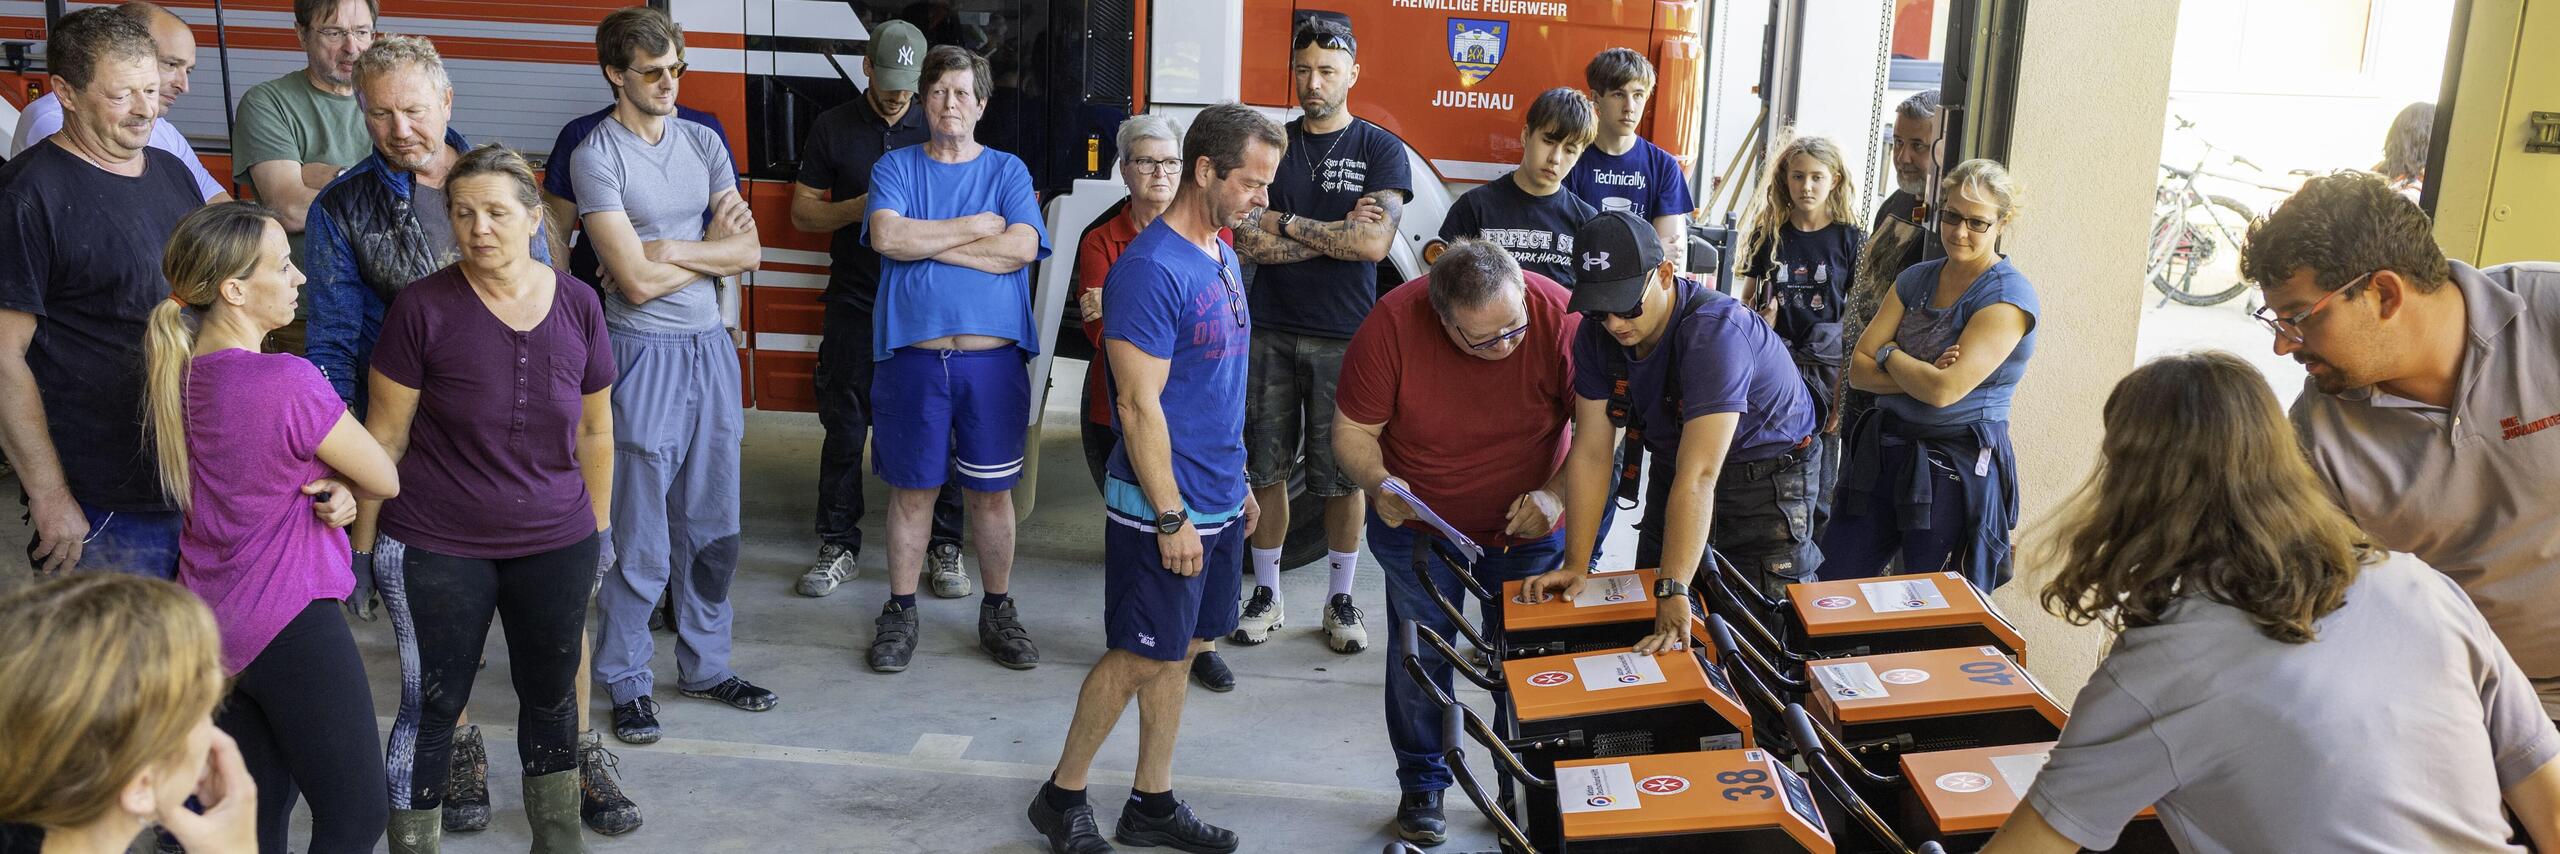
1150 164
1928 476
2266 645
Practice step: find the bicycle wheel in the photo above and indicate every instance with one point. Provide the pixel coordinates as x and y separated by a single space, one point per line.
2195 250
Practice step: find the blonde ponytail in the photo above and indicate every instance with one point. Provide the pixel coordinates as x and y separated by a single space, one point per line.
215 244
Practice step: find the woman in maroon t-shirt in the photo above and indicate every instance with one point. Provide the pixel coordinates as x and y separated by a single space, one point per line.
492 387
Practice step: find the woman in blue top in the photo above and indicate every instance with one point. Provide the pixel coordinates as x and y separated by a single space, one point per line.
1929 476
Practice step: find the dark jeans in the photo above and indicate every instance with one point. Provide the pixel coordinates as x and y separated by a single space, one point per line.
844 409
1863 544
304 720
1763 518
1413 721
143 543
440 610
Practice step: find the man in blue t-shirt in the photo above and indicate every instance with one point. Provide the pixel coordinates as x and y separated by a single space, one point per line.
1701 382
1174 319
1333 211
957 227
1625 172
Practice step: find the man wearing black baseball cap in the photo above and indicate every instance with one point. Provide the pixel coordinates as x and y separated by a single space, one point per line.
1695 377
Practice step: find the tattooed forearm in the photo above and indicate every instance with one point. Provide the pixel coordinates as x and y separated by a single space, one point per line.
1354 239
1262 247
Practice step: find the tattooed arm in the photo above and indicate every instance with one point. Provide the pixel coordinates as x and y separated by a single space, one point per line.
1365 235
1257 241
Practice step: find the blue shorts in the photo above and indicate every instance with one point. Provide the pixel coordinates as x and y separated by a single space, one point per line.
950 412
1146 608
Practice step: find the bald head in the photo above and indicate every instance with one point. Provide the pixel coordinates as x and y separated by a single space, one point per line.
174 43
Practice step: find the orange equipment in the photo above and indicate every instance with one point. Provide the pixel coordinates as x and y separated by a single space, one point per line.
1959 797
1896 613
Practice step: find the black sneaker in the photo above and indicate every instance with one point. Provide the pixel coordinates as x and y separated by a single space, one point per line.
736 692
636 722
466 784
893 639
1069 832
601 804
1212 673
1419 819
1001 634
1180 831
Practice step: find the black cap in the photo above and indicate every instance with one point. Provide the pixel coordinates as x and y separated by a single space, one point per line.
1615 254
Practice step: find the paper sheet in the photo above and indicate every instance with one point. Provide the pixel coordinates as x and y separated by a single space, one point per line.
1465 546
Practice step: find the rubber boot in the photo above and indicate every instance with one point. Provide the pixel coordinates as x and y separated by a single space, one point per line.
417 831
551 807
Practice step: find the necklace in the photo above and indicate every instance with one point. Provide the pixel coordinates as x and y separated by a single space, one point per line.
1315 170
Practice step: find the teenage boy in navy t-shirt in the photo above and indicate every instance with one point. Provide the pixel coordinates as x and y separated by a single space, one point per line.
1624 172
1527 212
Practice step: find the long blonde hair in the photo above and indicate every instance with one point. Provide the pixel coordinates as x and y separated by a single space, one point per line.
2201 490
1768 213
102 677
215 244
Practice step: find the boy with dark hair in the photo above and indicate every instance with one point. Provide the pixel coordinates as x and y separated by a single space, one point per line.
1527 211
1622 171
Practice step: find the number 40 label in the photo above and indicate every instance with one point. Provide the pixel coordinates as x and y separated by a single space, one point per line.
1995 672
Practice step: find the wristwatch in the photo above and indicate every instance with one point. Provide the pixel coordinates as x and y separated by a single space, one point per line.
1886 352
1170 522
1667 588
1285 217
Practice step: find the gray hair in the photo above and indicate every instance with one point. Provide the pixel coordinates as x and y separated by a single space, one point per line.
1472 273
393 53
1140 128
1921 107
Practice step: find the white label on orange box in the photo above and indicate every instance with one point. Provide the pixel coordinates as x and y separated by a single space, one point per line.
2020 771
1963 782
1906 676
1910 594
1597 788
1618 670
1852 681
1613 589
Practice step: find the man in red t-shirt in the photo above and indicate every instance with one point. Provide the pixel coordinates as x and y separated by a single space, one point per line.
1457 388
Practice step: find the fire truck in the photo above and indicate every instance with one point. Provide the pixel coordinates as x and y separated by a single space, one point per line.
1452 78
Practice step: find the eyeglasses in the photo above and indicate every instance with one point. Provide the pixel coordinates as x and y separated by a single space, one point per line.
341 34
659 74
1950 219
2290 327
1235 294
1498 339
1154 166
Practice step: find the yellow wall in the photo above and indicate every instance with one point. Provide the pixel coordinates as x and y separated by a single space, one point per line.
2495 202
2093 81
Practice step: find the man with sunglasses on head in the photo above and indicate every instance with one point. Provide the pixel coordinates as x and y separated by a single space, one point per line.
2432 406
1341 190
294 134
1477 335
1698 380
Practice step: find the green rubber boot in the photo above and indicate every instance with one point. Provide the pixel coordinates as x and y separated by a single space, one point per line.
417 831
551 806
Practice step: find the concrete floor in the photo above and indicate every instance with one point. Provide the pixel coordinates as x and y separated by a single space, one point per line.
943 757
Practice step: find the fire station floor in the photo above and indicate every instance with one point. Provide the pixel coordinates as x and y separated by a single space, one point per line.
944 757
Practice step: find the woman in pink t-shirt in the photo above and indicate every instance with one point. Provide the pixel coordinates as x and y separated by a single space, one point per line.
267 463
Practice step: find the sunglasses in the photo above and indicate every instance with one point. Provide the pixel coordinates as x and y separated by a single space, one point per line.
1629 314
1327 39
1235 295
659 74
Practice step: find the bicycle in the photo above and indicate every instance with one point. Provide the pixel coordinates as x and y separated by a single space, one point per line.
2191 230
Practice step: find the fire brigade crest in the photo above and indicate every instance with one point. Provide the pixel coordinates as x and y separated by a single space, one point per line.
1476 47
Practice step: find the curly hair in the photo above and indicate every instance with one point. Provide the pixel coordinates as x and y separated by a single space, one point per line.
2340 226
2201 491
2404 149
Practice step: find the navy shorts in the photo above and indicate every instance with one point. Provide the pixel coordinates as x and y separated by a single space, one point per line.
938 412
1150 611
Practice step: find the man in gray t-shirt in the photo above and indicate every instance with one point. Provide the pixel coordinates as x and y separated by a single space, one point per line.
2400 728
645 180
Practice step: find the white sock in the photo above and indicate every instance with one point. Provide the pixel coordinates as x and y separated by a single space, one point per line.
1344 566
1266 569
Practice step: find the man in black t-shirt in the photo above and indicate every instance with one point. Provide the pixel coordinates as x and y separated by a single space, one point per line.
1528 211
1334 207
84 215
1900 237
836 162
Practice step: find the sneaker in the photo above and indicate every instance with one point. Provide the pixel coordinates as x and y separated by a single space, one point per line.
1261 616
636 722
893 639
942 568
663 617
1070 832
1342 629
466 784
1180 831
601 804
834 567
736 692
1212 673
1001 634
1419 819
